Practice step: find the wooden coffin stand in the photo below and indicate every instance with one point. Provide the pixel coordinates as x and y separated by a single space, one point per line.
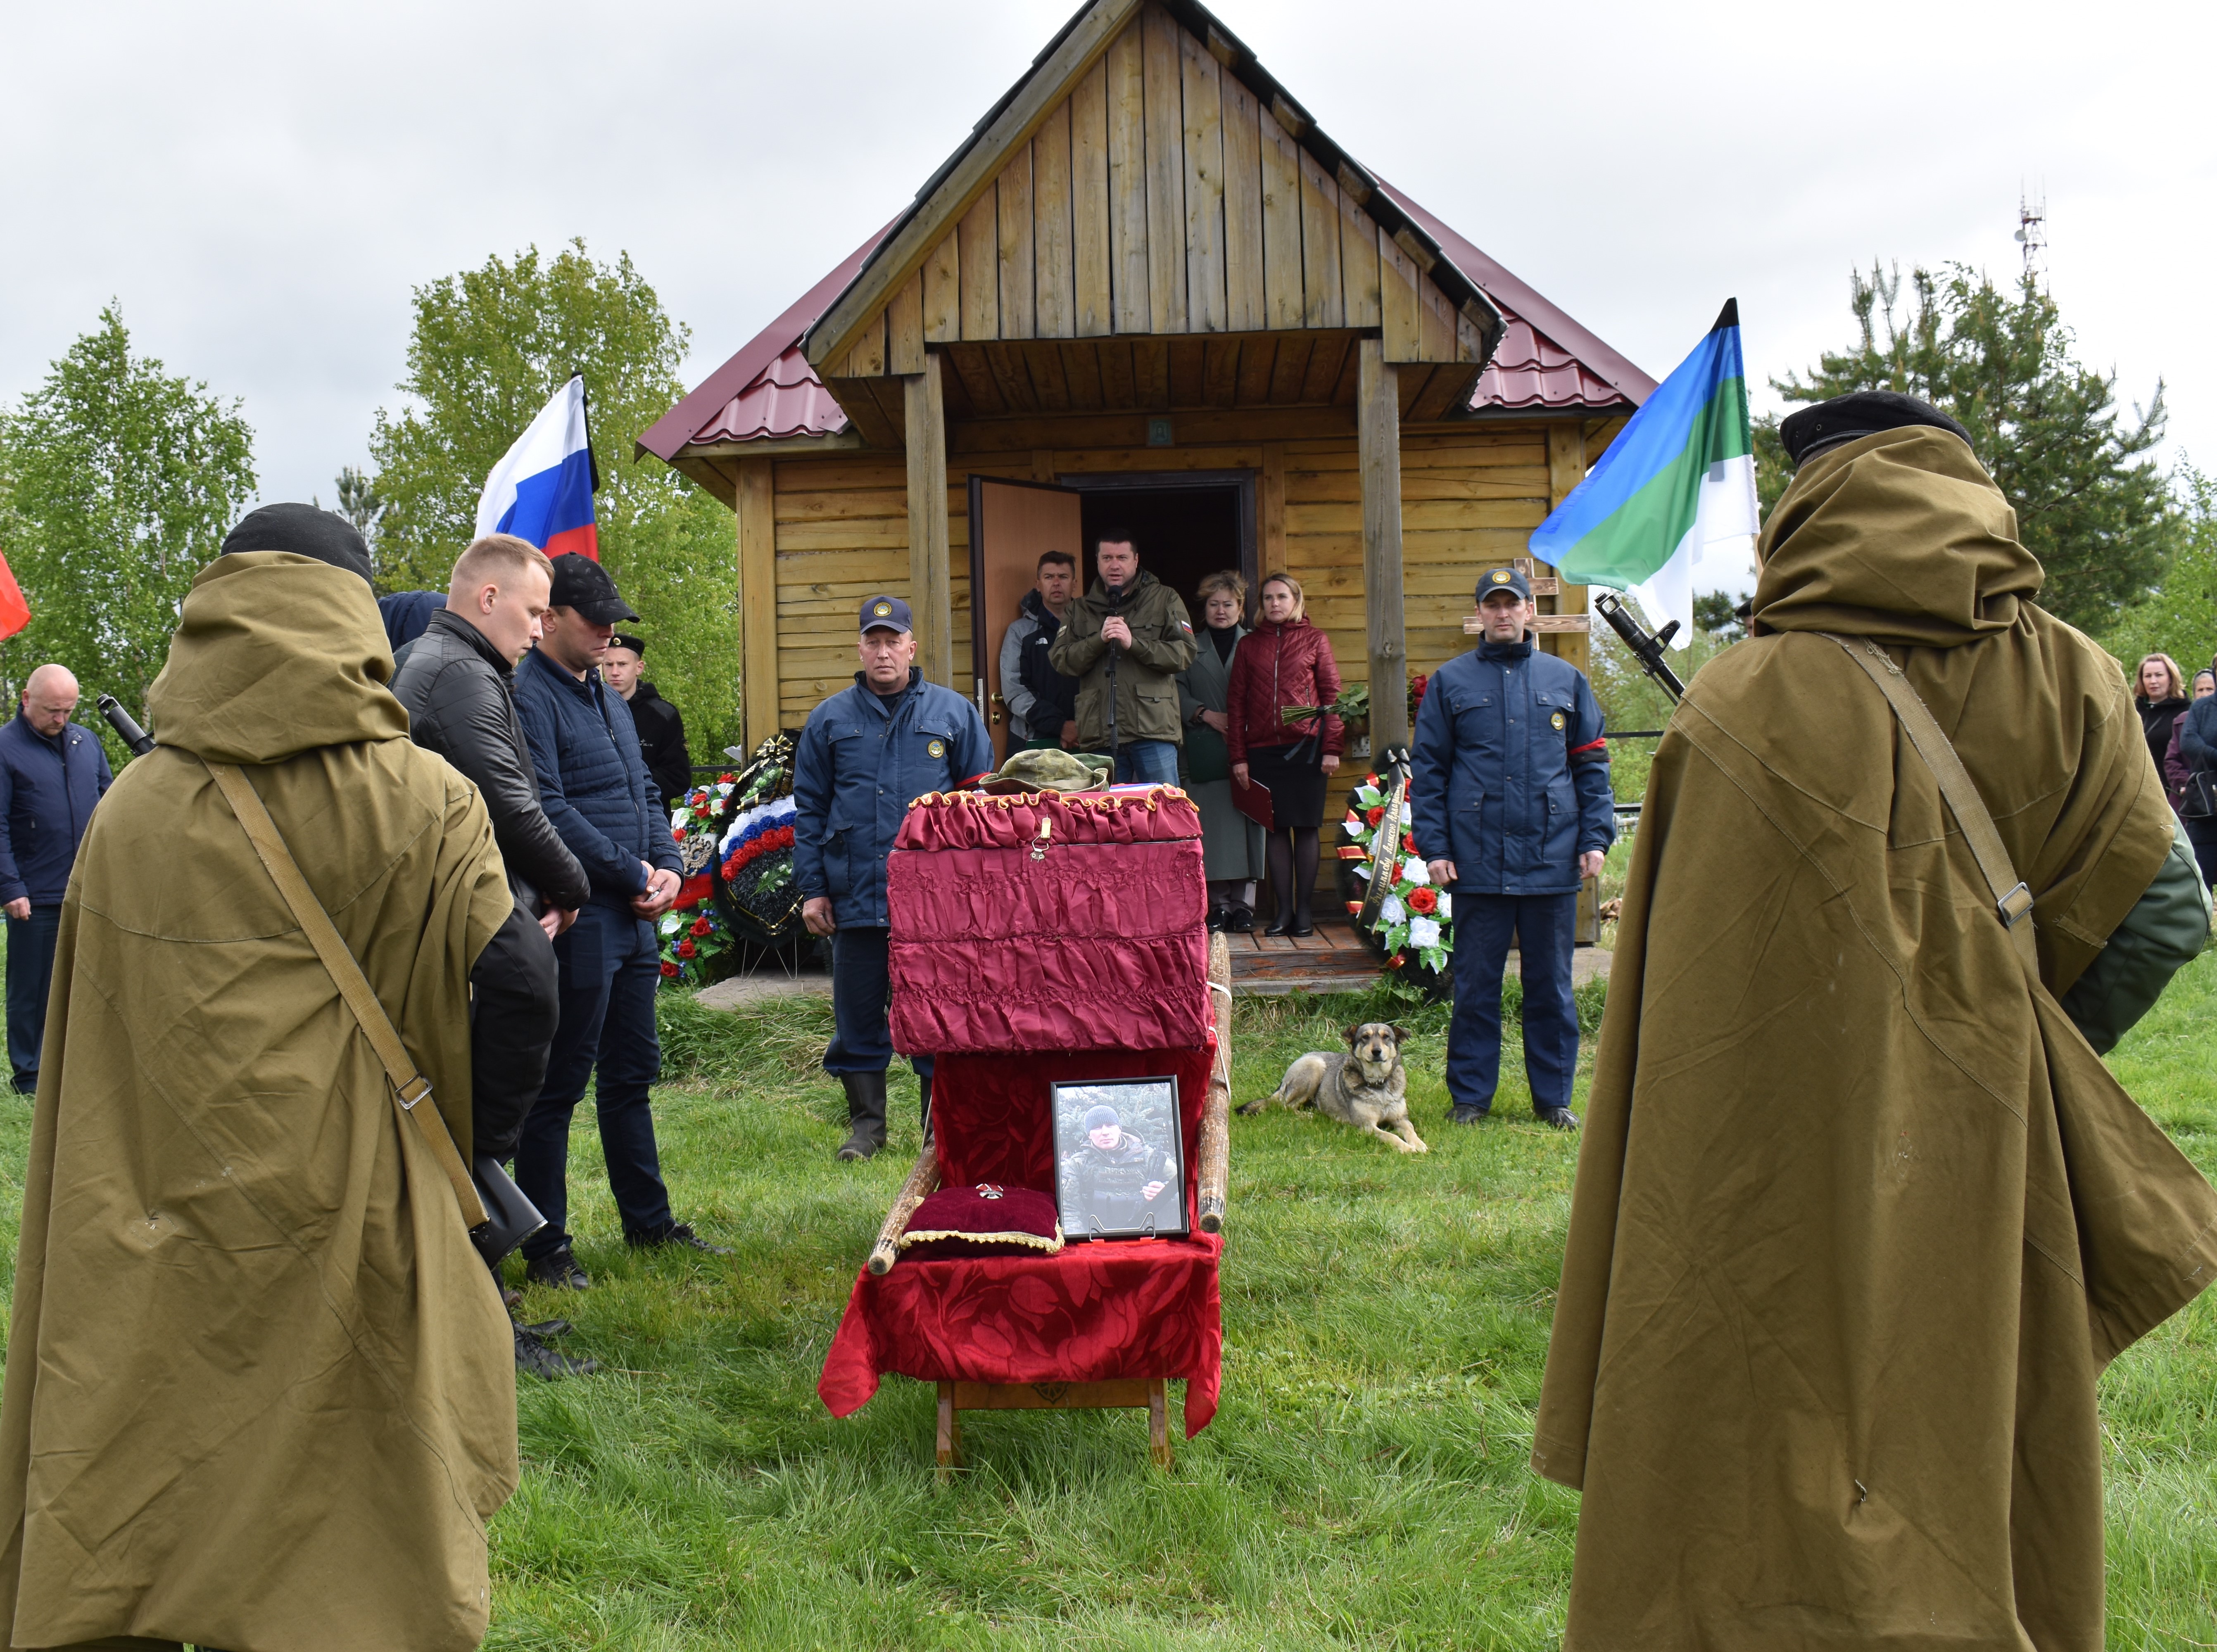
1150 1394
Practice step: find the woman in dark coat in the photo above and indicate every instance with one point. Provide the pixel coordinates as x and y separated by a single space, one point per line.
2159 693
1231 844
2174 772
2197 745
1286 661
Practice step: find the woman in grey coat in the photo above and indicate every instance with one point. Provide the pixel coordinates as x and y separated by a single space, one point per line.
1231 844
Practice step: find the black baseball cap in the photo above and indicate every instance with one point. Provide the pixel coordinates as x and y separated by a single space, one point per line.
582 585
888 611
1503 579
623 639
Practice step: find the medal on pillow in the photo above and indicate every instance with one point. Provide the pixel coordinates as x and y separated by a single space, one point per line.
986 1220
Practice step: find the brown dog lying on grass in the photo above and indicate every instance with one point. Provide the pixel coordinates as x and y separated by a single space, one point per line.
1365 1086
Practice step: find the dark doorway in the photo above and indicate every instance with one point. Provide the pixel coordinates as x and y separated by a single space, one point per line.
1188 524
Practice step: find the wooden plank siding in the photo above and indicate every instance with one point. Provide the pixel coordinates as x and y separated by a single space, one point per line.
1469 498
1157 199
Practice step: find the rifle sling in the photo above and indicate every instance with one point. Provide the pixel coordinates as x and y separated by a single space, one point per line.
410 1088
2012 899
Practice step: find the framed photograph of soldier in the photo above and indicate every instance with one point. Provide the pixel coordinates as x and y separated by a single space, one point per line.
1119 1158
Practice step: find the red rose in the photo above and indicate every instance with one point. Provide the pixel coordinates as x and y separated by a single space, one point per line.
702 925
1423 898
1409 843
667 968
686 948
1375 813
727 780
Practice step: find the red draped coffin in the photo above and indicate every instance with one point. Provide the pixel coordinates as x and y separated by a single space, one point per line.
1021 958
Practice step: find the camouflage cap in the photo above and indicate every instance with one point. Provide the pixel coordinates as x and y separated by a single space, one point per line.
1049 770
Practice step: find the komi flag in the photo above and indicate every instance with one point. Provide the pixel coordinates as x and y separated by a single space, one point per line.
542 489
1671 505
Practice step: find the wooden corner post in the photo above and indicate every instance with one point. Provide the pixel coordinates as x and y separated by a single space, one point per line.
1378 448
1566 468
758 680
929 593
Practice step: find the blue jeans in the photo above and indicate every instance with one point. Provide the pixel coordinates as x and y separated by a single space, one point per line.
610 965
861 993
1151 762
30 974
1546 927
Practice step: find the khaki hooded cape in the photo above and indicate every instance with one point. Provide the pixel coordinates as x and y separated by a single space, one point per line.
1860 1217
260 1390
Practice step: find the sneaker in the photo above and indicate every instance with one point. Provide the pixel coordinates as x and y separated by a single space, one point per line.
534 1359
557 1269
682 1238
1557 1118
1467 1115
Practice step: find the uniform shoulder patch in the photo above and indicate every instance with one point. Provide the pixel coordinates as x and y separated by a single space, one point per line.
1558 721
938 748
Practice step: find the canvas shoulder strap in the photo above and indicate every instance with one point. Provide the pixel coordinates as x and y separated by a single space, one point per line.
408 1087
2012 899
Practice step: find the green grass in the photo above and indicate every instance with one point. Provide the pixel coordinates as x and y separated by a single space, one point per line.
1364 1484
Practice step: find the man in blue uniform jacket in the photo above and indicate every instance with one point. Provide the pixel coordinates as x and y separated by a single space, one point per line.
51 775
867 754
1509 793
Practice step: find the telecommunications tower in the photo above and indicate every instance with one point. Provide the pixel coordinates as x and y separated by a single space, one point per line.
2031 217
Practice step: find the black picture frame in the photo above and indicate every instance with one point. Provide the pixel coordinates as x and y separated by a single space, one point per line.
1089 1192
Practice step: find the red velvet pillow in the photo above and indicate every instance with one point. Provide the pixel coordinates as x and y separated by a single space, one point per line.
986 1220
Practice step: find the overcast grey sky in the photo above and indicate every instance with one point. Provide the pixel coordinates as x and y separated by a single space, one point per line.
260 185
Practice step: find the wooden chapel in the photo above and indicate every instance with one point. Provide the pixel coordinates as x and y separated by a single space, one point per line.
1148 289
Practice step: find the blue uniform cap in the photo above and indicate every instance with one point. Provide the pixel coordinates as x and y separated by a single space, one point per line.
1503 579
889 611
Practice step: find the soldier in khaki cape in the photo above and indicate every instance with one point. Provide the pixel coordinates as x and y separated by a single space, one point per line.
1859 1213
260 1392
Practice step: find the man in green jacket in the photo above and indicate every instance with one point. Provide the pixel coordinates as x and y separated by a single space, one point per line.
1131 630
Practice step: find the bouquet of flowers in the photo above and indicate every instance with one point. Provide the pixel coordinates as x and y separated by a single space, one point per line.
692 944
1416 919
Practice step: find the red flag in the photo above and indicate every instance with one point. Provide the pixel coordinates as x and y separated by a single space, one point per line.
14 613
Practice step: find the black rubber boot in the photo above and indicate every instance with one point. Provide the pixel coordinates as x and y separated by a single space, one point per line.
866 1112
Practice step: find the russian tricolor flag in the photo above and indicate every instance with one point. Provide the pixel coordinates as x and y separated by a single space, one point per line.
542 489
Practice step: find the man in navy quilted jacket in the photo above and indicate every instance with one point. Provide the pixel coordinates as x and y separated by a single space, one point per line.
594 787
1509 793
50 774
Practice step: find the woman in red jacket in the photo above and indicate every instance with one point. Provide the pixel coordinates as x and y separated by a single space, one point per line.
1284 662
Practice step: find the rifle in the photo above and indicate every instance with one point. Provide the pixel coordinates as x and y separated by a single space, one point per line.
128 731
1647 650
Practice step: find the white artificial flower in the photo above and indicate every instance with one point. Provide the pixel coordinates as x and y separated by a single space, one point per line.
1354 824
1415 871
1392 911
1446 906
1424 932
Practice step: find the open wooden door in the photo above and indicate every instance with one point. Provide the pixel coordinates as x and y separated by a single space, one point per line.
1012 525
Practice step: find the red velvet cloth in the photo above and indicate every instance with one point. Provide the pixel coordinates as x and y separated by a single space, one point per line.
1096 1311
1093 937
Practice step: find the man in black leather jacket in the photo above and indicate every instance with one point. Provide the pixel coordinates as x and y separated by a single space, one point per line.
457 684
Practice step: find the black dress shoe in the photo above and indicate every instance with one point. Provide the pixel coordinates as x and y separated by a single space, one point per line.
1281 924
680 1237
1557 1118
534 1359
1302 925
1239 921
1217 915
557 1269
1467 1115
546 1328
